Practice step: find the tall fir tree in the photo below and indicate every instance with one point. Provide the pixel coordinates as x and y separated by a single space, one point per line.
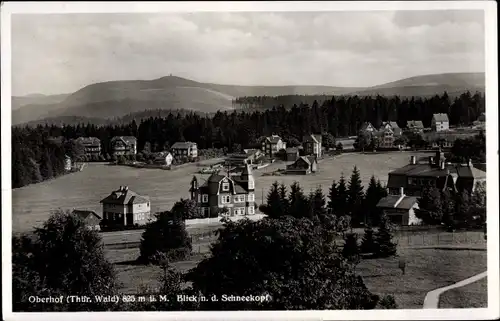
385 247
341 206
299 204
356 197
319 204
274 207
368 242
333 197
283 197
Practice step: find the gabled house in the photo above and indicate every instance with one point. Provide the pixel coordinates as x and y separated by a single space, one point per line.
415 126
91 145
163 158
124 207
367 127
272 145
385 137
303 165
248 156
124 145
92 219
400 209
185 150
312 145
436 172
440 122
393 126
292 153
235 194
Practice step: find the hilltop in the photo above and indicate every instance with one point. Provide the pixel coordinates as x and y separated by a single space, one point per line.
115 99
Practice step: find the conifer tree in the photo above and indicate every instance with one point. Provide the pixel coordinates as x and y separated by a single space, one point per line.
368 243
284 200
319 204
356 196
430 208
385 247
299 204
341 205
274 207
351 249
333 197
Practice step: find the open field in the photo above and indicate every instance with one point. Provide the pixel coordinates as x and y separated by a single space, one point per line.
32 205
474 295
426 270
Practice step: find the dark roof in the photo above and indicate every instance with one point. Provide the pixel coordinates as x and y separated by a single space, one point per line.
366 125
311 159
423 170
125 197
470 172
274 139
126 139
393 124
311 138
88 140
414 124
396 181
440 117
215 178
84 214
183 145
397 201
292 150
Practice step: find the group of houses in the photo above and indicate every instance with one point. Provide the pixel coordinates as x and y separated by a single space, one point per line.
406 184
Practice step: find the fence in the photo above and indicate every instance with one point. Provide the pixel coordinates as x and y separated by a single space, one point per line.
440 238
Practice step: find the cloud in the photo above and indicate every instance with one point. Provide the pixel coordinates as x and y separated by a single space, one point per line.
64 52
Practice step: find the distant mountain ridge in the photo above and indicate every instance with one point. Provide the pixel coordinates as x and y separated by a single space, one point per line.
114 99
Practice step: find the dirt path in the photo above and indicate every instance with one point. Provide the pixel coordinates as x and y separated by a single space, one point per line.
432 298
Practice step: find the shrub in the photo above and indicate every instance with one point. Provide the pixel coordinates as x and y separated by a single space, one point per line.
387 302
368 244
383 239
351 250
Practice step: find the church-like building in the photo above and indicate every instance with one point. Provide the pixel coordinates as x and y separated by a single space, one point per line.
234 193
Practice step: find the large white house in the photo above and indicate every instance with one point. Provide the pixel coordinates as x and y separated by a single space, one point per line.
440 122
124 207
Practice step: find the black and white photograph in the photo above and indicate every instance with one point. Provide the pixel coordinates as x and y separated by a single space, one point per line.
250 159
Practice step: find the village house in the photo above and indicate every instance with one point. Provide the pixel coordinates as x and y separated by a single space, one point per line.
248 156
386 137
163 158
440 122
91 146
415 126
185 150
124 207
292 153
347 143
234 194
303 165
393 126
91 219
67 163
400 209
272 145
312 145
414 177
367 127
124 145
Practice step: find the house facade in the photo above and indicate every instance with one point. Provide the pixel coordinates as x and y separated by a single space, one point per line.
414 177
292 153
185 150
91 146
386 137
248 156
303 165
400 209
367 127
124 145
415 126
440 122
124 207
92 219
312 145
163 158
393 126
272 145
219 193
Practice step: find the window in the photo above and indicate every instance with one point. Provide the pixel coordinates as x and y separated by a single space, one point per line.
226 199
199 198
251 184
225 187
205 198
239 198
251 197
206 211
251 210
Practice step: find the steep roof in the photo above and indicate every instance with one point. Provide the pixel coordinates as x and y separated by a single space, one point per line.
366 125
183 145
124 196
85 214
88 140
312 138
273 139
393 124
397 201
126 139
415 124
440 117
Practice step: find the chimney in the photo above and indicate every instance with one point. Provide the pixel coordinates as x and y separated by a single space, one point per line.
125 188
413 160
121 188
469 162
431 160
401 191
443 163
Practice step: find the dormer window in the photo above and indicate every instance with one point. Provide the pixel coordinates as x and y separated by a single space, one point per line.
225 187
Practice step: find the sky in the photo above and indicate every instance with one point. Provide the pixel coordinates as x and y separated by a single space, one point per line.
61 53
